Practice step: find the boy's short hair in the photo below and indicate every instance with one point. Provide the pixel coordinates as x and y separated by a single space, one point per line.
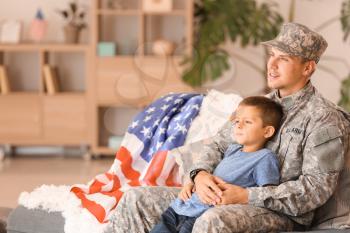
271 111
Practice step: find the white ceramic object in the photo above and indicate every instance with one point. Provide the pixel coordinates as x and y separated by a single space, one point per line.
151 6
10 31
163 47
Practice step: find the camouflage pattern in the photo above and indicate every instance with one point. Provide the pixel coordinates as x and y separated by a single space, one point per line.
298 40
310 146
241 218
140 209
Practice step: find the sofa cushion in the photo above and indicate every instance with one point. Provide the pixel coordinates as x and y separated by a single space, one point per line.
4 212
322 231
23 220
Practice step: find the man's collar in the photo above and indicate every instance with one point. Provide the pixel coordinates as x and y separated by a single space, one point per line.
289 101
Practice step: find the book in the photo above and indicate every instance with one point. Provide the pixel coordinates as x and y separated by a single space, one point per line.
51 81
4 81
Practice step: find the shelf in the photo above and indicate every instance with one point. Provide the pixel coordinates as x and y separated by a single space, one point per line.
114 58
22 47
168 26
119 12
167 13
113 121
105 151
121 105
22 70
117 59
67 94
69 68
22 94
122 29
132 12
127 82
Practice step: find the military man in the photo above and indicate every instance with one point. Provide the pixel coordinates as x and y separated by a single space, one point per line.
312 146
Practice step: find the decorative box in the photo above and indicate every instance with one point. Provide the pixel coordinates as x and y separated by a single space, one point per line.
106 49
151 6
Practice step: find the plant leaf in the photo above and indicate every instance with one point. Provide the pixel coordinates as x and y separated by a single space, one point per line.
219 20
345 18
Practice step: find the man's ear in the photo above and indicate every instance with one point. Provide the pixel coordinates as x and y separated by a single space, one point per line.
269 131
309 68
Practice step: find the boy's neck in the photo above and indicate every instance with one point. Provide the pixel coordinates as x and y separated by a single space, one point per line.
253 148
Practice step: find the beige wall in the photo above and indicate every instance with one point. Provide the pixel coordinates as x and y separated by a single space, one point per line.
25 11
241 78
336 58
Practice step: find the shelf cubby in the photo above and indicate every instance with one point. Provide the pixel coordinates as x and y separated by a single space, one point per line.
170 26
71 69
121 30
23 71
113 121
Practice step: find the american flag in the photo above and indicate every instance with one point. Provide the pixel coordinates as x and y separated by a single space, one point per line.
143 157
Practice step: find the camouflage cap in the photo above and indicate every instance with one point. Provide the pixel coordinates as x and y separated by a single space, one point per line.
298 40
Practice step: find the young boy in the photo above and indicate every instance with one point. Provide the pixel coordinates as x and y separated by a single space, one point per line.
246 163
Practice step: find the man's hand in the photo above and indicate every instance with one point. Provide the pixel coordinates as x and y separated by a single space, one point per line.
207 188
233 194
186 191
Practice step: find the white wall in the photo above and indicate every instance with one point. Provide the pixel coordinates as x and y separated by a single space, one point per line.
242 79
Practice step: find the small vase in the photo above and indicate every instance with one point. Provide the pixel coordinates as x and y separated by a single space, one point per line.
71 34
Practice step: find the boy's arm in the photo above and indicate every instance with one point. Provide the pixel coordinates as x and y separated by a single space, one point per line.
186 191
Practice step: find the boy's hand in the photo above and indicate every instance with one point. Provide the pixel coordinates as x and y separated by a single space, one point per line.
186 191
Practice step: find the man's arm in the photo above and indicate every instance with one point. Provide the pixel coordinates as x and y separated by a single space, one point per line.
323 159
212 153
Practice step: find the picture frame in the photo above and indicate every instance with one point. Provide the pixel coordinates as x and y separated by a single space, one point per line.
152 6
10 31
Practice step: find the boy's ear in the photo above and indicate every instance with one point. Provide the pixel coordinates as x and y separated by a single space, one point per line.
269 131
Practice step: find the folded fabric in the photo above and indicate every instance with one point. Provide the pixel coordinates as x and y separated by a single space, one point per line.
143 156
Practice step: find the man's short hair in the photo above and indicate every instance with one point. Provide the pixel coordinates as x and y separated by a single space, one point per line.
271 111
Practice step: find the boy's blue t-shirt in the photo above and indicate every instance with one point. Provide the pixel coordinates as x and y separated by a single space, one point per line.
237 167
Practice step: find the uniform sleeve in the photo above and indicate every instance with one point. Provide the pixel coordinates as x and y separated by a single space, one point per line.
266 172
323 160
213 152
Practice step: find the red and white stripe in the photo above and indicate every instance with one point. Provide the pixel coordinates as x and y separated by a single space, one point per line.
101 195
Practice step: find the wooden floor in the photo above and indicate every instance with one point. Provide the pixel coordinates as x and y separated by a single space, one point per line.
24 173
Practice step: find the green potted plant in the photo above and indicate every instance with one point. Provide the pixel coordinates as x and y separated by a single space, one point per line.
74 18
221 20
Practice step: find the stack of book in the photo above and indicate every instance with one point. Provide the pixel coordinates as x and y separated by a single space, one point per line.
51 81
4 81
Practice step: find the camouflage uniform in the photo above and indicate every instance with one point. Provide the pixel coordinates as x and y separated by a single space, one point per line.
312 145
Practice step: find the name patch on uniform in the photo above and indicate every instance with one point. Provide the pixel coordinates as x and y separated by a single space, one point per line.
294 130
